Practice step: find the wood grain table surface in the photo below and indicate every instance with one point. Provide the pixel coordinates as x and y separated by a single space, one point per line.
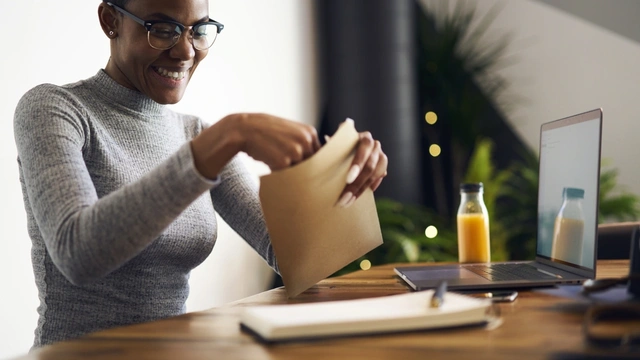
536 326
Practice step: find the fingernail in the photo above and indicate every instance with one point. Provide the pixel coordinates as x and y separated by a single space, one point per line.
346 197
327 138
353 173
349 119
351 201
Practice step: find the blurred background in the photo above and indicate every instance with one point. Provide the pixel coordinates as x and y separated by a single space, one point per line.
455 90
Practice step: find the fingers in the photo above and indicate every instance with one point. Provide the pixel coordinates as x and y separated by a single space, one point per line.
366 145
305 143
315 141
280 143
370 171
374 169
375 184
277 142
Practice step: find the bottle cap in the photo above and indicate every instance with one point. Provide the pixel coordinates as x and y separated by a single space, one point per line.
471 187
573 193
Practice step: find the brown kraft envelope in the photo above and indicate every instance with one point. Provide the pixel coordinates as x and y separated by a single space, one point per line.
313 237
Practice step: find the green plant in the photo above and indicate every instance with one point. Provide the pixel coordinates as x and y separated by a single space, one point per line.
459 84
615 202
518 209
403 230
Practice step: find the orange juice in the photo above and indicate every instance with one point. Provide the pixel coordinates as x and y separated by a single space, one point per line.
473 238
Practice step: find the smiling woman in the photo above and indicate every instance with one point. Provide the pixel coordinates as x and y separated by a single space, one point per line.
145 54
120 190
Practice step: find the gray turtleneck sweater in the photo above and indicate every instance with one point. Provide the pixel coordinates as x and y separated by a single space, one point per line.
117 213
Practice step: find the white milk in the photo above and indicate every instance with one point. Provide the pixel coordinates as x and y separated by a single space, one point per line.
567 240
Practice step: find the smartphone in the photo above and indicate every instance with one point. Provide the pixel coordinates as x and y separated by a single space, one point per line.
501 295
495 295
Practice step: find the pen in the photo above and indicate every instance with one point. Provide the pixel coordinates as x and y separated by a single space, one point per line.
438 295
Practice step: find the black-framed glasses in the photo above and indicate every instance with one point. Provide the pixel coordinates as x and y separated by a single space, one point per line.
164 34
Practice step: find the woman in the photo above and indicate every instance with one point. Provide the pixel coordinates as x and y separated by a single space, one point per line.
120 191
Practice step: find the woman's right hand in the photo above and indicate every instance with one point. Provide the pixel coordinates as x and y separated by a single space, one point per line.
277 142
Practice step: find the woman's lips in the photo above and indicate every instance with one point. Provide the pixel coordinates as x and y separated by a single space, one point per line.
174 75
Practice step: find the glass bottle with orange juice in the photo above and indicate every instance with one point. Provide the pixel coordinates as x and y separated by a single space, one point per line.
473 225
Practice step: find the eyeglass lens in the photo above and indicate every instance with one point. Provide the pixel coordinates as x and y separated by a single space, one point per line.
165 35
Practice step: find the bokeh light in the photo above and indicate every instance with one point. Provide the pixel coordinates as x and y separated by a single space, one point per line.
434 150
365 264
431 118
431 232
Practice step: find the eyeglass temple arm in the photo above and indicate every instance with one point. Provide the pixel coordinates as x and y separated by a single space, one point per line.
218 24
133 17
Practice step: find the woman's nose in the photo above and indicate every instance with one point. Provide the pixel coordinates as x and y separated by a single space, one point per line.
183 49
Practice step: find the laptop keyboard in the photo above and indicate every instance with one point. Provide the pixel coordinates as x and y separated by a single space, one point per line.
508 272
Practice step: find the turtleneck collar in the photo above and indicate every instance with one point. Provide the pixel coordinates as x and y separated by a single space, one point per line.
130 99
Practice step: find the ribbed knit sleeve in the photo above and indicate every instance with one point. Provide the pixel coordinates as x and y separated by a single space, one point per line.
237 201
88 236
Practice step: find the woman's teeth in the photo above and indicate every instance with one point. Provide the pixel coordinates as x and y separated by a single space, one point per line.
171 74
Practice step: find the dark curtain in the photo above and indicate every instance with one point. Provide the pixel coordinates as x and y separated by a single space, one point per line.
368 73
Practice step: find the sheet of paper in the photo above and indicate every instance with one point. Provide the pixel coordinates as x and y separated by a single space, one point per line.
312 236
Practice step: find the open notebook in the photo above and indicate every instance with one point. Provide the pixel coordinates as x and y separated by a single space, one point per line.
395 313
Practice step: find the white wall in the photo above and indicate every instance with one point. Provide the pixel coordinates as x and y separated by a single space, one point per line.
565 65
263 61
622 18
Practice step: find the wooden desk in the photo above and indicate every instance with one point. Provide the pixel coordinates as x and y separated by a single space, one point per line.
534 326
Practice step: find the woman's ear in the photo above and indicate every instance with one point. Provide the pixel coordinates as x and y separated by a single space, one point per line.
108 20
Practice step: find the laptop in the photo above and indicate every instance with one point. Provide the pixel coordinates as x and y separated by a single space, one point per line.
569 163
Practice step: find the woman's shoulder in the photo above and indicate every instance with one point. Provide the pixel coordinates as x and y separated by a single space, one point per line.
50 102
50 94
43 91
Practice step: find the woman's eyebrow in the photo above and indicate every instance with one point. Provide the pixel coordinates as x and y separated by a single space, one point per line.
162 16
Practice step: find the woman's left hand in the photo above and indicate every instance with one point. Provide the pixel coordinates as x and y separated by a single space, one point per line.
368 169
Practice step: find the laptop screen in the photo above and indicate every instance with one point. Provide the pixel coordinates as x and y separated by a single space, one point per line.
568 190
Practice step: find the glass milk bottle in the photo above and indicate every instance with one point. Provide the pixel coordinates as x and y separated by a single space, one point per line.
569 227
473 225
